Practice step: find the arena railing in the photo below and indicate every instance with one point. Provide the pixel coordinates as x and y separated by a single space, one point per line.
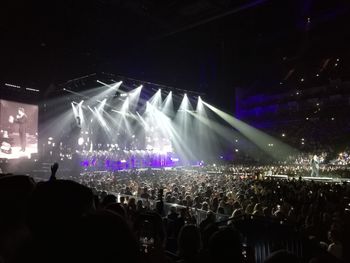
265 235
199 214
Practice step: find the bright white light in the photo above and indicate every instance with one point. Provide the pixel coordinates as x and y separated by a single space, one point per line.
113 86
125 106
80 141
31 89
12 85
75 111
200 106
117 85
134 96
90 110
185 103
102 104
168 106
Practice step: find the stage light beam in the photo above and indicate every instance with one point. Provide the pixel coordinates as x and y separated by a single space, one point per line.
279 151
168 105
134 97
125 106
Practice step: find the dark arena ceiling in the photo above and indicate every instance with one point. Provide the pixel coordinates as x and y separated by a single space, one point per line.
209 46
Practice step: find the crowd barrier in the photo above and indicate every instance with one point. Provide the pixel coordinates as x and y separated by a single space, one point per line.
261 235
199 214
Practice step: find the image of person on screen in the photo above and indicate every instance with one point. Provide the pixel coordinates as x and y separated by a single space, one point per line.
21 120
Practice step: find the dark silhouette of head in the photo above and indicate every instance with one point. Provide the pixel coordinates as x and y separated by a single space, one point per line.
225 244
208 231
104 236
56 205
14 195
118 209
189 241
109 199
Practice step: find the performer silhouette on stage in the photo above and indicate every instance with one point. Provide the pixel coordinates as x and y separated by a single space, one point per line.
315 167
21 120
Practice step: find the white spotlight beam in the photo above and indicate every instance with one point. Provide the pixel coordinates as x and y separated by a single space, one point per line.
100 118
80 112
111 86
156 99
134 96
185 104
261 139
75 111
168 106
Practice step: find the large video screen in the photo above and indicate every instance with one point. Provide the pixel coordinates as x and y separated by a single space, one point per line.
18 130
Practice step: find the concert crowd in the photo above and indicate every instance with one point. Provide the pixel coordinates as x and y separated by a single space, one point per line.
179 215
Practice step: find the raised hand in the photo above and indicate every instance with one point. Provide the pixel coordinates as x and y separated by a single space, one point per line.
54 169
